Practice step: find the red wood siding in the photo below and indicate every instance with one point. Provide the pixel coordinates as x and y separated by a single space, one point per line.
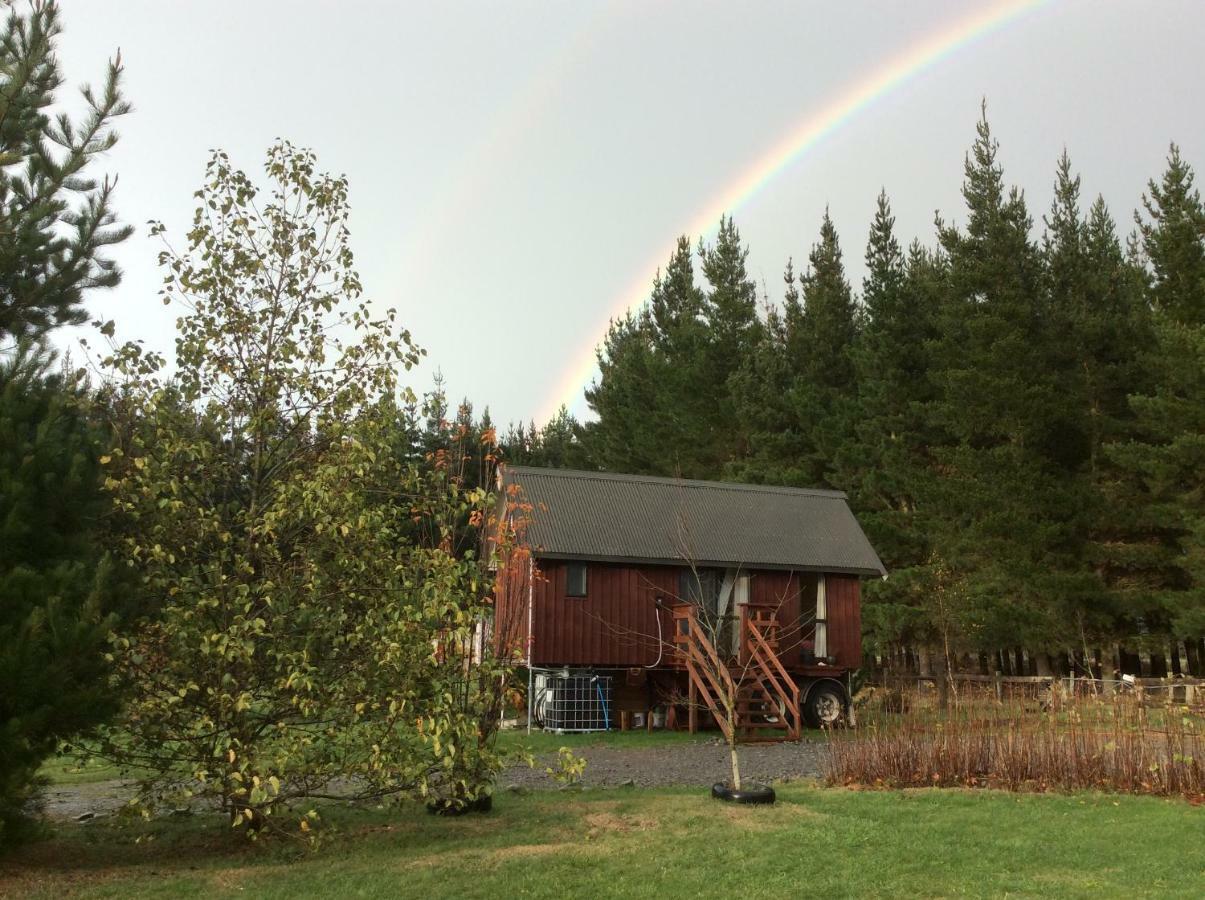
843 595
615 624
794 594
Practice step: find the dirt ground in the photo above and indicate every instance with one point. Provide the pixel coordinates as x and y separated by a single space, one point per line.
701 763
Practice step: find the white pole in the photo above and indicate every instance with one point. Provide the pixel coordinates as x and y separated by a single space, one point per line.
530 635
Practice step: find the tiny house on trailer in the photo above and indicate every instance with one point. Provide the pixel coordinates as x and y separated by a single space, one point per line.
633 582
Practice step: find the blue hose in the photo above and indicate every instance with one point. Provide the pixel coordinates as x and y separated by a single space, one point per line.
603 701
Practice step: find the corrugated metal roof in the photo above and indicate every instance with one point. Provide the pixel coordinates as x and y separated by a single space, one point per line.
604 516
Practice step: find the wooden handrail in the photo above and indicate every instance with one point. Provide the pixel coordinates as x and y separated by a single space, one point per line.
782 672
703 665
761 653
708 674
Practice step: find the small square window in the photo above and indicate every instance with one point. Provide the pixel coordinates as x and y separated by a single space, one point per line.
575 580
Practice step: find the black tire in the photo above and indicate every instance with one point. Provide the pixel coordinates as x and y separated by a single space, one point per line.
750 793
459 808
825 707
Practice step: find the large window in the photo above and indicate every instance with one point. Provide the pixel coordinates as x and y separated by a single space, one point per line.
575 579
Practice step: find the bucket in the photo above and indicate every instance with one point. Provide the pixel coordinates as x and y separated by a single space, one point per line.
658 718
637 720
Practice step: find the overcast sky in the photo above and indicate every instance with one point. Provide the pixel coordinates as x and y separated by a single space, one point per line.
515 166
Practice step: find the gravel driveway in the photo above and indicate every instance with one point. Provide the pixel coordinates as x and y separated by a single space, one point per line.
702 763
696 763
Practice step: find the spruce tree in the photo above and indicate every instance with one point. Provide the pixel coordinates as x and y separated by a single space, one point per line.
56 219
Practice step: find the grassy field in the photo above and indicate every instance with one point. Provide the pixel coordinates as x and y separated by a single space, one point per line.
633 843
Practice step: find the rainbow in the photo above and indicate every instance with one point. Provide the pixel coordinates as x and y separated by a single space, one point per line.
805 136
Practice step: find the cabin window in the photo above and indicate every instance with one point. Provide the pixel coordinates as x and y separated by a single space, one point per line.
575 580
821 620
700 587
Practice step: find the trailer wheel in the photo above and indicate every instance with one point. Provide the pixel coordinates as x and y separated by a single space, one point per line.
825 706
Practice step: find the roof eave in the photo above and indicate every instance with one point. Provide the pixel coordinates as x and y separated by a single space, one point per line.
711 563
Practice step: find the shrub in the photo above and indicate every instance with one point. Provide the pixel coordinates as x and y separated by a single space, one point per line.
1110 743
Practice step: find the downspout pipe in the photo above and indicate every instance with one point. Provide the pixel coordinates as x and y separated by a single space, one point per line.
531 568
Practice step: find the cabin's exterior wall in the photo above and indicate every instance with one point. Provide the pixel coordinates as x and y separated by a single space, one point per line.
843 595
615 624
794 595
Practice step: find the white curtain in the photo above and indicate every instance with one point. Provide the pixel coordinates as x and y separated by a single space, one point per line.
821 620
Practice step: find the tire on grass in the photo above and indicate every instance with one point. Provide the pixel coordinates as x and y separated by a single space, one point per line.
751 793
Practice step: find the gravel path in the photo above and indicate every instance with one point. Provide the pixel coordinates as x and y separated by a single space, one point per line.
701 763
89 800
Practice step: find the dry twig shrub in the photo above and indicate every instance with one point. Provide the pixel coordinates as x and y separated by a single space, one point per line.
1113 743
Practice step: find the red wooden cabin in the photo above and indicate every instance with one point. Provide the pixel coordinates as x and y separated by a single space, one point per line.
634 580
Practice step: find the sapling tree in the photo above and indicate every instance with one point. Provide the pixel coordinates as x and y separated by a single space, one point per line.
728 659
730 673
305 575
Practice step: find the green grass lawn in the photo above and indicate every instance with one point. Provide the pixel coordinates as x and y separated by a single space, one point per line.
663 843
67 768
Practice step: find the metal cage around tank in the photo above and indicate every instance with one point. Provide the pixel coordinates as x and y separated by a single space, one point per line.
570 701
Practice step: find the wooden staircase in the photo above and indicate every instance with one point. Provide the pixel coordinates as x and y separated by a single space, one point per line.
755 684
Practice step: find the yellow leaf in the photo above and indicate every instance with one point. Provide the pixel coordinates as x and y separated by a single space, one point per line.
105 460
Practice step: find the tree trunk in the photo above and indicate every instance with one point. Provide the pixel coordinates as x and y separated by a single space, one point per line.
1194 661
1158 665
736 764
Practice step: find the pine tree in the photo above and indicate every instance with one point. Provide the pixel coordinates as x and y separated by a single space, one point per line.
1003 502
1097 305
655 400
54 577
731 313
819 343
56 220
1172 242
761 396
887 456
1167 455
624 399
54 584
